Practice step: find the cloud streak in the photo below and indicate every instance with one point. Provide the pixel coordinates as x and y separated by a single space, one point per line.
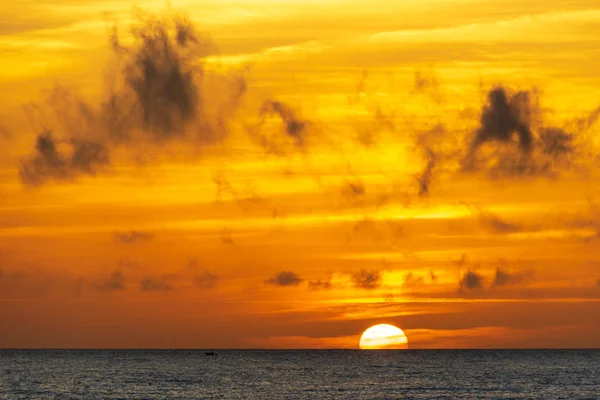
153 284
132 237
506 278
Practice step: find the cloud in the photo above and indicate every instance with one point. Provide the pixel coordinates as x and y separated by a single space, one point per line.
226 238
161 72
504 278
320 284
462 261
371 119
424 179
132 237
470 281
432 276
293 126
512 140
412 280
354 188
62 160
115 282
203 279
160 92
503 117
434 147
284 278
206 280
425 80
365 279
494 223
151 284
542 150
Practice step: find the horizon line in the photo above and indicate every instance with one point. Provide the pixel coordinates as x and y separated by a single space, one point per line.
291 349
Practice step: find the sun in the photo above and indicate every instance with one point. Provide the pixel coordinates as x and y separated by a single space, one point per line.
383 336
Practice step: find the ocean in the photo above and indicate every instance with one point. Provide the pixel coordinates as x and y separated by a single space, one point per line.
300 374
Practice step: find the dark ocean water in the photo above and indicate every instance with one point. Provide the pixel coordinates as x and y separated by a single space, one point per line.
325 374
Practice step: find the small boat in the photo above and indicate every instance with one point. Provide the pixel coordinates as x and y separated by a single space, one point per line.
210 353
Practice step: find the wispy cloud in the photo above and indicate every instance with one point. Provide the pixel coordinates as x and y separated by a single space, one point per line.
132 237
367 279
114 282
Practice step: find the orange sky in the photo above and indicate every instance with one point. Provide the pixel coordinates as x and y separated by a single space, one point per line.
324 179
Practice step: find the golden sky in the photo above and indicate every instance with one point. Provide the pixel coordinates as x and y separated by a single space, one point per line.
295 172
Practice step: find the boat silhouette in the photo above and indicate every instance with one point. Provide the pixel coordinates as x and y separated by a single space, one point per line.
211 353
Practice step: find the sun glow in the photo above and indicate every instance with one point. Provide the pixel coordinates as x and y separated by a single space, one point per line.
383 336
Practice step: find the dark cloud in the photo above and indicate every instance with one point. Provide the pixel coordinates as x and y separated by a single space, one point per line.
226 238
365 228
461 262
412 280
293 126
114 282
432 276
153 284
355 188
585 123
426 82
160 92
505 278
63 160
206 280
161 73
435 146
503 117
133 237
424 178
203 279
365 279
556 143
284 278
542 150
471 281
512 141
294 129
494 223
246 198
320 284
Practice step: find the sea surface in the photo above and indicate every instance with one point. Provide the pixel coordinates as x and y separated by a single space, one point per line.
300 374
